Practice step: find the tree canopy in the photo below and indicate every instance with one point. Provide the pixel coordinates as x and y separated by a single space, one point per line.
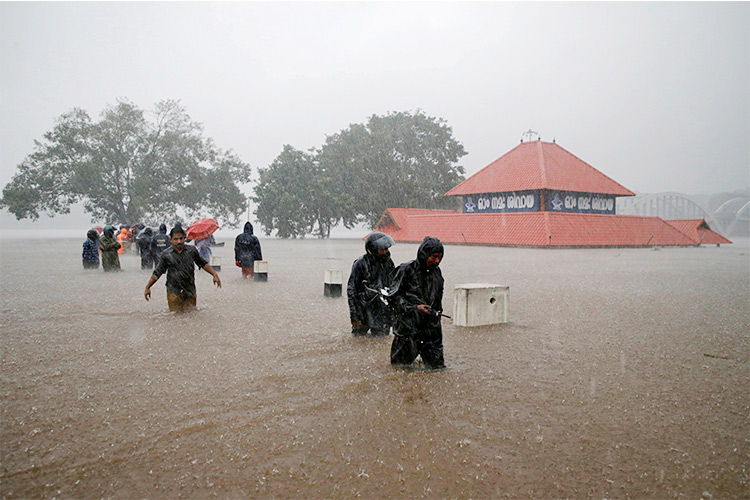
284 192
127 168
397 160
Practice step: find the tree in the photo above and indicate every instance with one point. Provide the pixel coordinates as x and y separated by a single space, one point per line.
398 160
127 169
283 194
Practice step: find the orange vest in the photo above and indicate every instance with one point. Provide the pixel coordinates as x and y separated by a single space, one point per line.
121 239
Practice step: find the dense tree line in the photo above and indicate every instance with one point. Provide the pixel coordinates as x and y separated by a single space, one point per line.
398 160
126 168
132 166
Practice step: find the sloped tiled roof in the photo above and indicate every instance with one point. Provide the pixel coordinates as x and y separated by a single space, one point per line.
397 216
539 165
536 229
698 231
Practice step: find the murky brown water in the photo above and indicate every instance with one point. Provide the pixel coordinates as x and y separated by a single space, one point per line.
623 374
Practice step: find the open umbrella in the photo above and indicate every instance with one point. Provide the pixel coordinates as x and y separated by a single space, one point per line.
202 228
99 229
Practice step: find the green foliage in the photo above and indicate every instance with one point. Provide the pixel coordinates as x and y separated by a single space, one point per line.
292 197
398 160
127 169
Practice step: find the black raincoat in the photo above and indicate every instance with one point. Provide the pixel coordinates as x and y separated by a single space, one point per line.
90 254
366 305
415 333
247 247
160 242
144 242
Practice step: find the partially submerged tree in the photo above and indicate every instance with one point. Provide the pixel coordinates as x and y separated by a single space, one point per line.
292 196
127 169
398 160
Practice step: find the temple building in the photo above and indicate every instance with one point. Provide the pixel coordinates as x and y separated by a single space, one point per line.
540 195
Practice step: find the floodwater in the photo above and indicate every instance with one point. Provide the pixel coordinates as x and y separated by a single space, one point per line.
622 374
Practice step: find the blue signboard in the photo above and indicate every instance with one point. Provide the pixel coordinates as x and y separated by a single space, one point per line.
584 203
517 201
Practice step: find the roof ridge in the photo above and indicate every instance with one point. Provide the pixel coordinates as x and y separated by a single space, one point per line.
490 164
542 162
592 168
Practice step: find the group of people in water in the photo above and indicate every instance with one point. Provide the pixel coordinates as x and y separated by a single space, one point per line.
110 247
169 254
407 299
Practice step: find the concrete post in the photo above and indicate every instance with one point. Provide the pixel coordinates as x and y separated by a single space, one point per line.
334 279
215 263
260 270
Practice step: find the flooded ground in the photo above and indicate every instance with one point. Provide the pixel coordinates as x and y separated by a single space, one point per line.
623 374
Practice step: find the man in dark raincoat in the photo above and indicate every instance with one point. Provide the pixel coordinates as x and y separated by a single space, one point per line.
160 242
247 250
417 300
109 246
370 273
179 263
144 247
90 255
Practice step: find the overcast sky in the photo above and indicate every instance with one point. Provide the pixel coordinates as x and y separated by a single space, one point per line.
654 95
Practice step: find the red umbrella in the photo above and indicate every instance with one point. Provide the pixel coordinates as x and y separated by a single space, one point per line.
99 229
202 228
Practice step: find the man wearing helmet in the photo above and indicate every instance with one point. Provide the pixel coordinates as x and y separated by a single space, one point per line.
371 272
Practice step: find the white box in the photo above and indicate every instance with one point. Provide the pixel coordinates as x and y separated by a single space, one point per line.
334 276
260 270
334 280
477 304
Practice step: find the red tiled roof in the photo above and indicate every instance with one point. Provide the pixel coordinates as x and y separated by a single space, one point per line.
698 231
539 165
397 216
535 229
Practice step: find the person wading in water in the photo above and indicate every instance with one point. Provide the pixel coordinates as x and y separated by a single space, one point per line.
178 262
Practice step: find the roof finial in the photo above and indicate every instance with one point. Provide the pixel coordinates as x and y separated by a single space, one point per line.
529 133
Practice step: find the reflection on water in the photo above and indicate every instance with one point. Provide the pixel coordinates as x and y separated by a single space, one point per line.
624 373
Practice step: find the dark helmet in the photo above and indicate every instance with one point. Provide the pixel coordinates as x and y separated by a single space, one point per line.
377 241
163 228
148 231
92 234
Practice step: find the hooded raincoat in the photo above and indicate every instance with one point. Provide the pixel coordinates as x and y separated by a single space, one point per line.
160 242
90 255
144 241
370 272
416 333
109 246
247 248
123 239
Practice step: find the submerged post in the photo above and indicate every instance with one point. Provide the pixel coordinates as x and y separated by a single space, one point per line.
477 304
215 263
260 270
334 279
